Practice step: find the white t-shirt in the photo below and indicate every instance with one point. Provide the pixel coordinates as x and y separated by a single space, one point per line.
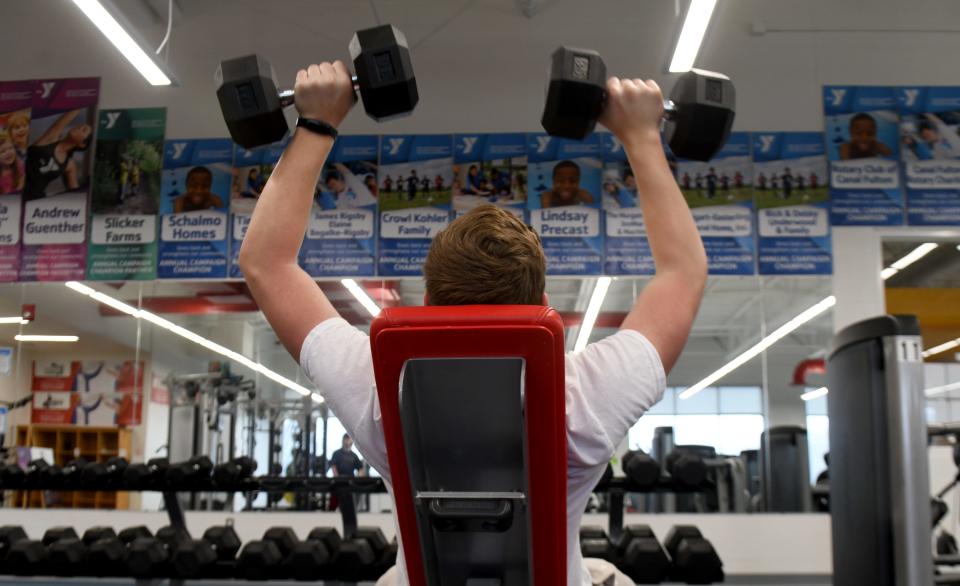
609 385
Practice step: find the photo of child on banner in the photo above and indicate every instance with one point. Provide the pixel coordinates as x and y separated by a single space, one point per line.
720 196
126 194
793 203
490 168
195 192
626 248
564 202
341 235
57 180
251 169
411 215
929 122
862 142
16 98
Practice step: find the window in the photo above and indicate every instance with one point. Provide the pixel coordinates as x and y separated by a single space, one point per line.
818 435
728 418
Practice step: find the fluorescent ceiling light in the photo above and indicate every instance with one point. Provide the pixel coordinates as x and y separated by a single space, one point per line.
814 394
13 320
39 338
191 336
771 339
942 389
908 259
593 309
942 348
121 39
361 296
824 304
691 35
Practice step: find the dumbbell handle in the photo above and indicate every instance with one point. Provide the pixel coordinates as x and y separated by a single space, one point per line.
286 96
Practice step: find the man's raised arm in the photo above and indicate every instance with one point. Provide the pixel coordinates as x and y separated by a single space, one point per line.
665 310
288 296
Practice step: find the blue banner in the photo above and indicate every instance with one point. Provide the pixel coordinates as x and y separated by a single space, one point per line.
862 141
721 199
564 202
626 248
251 169
929 119
417 205
793 203
341 238
195 191
490 168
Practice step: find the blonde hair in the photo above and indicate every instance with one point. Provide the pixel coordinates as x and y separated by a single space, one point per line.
14 168
486 256
19 118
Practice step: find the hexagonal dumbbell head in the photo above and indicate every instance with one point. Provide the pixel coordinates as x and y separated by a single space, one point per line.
10 534
307 561
147 558
258 560
705 104
66 556
576 89
190 559
384 72
55 534
107 557
25 558
251 106
224 540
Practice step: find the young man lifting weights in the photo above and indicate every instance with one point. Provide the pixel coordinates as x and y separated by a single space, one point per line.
487 256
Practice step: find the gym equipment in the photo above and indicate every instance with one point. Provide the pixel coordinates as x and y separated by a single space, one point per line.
879 478
694 560
10 534
146 476
328 536
235 471
66 557
253 107
504 509
11 476
55 534
947 544
594 543
147 557
784 470
40 473
307 561
192 559
107 474
107 557
95 534
194 473
72 474
224 540
131 533
697 117
686 467
640 468
640 555
26 558
259 560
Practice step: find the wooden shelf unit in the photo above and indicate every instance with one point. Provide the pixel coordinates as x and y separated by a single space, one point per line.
69 442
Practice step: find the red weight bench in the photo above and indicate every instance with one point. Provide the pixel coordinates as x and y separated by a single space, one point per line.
472 401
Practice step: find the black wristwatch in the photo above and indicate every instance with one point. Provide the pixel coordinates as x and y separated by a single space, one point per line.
318 126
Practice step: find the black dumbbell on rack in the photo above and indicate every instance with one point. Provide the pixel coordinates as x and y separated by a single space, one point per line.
641 469
693 558
253 107
641 557
149 475
193 474
230 474
212 556
697 117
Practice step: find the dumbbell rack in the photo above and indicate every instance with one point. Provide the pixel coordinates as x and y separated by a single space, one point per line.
618 486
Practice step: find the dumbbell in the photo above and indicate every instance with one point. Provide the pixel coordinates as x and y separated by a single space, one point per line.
641 556
26 557
10 534
640 468
233 472
694 560
67 557
107 551
697 117
686 468
594 543
200 558
40 474
72 473
145 476
194 473
11 476
107 474
253 107
149 557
